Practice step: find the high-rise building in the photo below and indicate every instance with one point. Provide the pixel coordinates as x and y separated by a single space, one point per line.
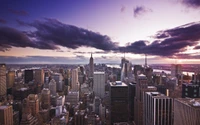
59 81
102 112
28 76
33 103
99 84
158 109
186 111
10 79
131 96
190 90
118 102
39 76
45 99
52 87
141 88
74 82
72 97
2 80
91 66
176 69
6 115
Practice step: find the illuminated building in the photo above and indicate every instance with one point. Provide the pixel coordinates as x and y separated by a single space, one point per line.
6 115
3 87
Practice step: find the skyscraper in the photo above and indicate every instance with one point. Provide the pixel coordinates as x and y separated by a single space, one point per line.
91 66
6 115
45 99
157 109
141 88
118 102
176 69
59 81
75 83
2 80
186 111
39 76
33 102
28 76
52 87
10 79
99 84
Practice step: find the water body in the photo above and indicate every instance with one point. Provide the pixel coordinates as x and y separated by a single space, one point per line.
169 72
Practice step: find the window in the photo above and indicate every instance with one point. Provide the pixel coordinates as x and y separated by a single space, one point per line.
195 90
186 93
195 95
186 89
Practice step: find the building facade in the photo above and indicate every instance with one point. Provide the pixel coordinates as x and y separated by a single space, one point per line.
158 109
99 84
118 102
6 115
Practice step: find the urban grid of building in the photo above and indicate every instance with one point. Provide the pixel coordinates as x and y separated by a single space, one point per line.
98 94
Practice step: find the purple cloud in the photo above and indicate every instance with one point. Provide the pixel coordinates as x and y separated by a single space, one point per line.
140 10
192 3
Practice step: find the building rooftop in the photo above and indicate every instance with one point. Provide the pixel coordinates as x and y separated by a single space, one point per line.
117 83
191 102
3 107
157 95
99 72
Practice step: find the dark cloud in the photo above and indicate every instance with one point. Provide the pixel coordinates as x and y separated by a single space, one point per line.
197 47
42 60
192 3
18 12
3 21
96 52
169 42
10 37
140 10
53 32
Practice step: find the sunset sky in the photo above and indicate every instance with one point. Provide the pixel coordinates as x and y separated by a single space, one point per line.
67 31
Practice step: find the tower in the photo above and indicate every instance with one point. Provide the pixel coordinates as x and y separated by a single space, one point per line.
45 98
6 115
39 76
52 87
28 76
75 83
2 80
91 66
99 84
145 65
118 102
10 79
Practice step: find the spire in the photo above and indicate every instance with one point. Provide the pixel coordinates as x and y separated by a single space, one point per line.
91 55
145 60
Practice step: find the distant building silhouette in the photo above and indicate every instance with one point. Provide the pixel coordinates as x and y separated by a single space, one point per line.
28 76
91 66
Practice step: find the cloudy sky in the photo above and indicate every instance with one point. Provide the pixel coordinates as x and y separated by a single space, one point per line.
67 31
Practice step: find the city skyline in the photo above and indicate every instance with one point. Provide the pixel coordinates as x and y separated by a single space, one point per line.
69 31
